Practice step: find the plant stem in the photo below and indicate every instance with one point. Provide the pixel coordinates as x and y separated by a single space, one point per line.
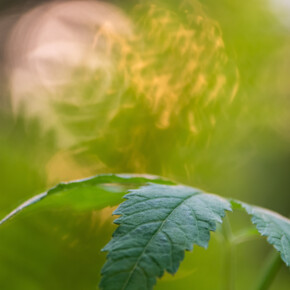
229 267
245 235
269 271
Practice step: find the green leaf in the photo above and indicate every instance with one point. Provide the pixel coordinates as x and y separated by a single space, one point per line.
157 224
94 192
272 225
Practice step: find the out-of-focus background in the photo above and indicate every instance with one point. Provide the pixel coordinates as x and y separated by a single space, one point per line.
196 91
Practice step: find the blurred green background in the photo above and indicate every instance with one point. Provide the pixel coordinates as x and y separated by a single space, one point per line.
198 92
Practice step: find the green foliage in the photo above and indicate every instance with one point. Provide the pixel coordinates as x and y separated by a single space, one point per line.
91 192
185 60
157 223
272 225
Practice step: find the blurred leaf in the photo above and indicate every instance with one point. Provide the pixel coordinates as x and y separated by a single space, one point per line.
158 223
90 192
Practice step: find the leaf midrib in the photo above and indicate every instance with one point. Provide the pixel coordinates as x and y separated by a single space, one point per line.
157 232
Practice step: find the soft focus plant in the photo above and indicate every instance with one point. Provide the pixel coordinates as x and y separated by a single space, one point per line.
160 220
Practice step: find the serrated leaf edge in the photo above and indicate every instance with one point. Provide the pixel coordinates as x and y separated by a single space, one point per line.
249 209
